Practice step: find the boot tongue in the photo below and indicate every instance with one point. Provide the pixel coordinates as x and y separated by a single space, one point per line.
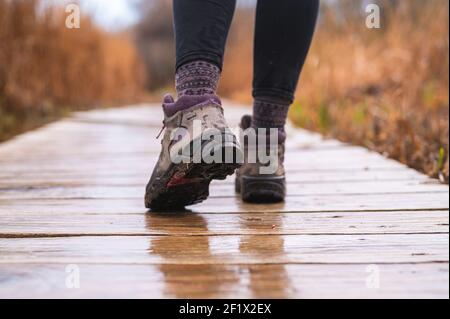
246 122
185 102
168 105
168 99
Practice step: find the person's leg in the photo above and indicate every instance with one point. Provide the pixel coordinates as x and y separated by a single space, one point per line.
201 30
284 30
182 176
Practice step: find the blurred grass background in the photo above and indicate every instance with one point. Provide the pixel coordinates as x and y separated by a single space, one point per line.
47 70
386 89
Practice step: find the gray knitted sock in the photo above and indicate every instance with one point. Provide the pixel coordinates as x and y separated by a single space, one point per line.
197 78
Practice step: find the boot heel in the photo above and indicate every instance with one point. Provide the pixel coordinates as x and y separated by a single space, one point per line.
263 189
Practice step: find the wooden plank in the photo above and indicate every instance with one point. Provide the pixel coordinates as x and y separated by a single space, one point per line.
224 250
226 281
104 150
188 224
145 168
219 189
139 179
317 203
132 145
135 176
313 203
4 174
145 165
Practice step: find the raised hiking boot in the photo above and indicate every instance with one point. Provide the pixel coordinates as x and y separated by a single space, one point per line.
262 186
197 147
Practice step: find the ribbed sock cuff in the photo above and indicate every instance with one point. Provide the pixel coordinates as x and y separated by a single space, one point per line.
197 78
270 113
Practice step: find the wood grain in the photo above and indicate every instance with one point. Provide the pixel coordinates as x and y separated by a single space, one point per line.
312 203
219 189
191 224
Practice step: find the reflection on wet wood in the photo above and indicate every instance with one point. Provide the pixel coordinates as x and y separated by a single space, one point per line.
71 193
225 281
244 249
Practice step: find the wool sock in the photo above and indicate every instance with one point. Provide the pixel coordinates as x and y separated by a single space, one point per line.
197 78
270 113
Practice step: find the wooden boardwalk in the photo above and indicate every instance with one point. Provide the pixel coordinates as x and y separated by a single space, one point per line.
354 225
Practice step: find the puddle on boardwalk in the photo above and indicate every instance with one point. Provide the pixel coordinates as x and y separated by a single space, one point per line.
217 266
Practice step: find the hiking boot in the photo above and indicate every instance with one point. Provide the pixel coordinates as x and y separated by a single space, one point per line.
254 185
197 147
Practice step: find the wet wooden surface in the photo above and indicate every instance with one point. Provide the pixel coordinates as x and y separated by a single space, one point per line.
354 225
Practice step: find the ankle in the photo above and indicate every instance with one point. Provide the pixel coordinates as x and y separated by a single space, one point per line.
197 78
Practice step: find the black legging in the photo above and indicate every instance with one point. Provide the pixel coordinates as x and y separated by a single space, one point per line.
283 34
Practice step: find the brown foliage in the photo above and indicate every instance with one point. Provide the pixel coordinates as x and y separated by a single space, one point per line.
386 89
155 41
46 68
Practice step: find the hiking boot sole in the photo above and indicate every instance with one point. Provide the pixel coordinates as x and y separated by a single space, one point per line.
261 189
187 184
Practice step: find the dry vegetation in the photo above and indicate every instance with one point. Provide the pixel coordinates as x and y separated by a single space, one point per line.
47 69
385 89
